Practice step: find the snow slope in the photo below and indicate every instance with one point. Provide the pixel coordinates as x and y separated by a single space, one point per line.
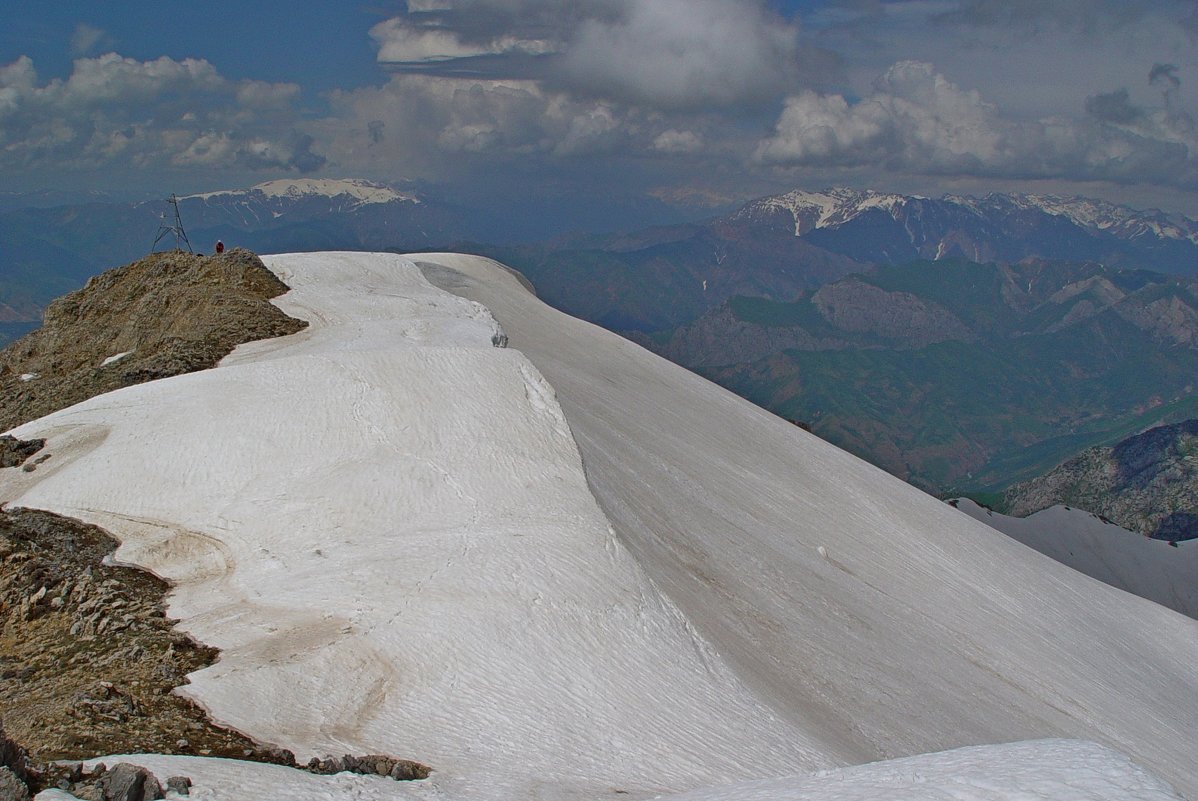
384 523
1149 568
1046 769
1060 769
857 606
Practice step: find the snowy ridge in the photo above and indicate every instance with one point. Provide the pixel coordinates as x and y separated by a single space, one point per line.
362 192
1093 215
825 209
384 524
857 606
836 206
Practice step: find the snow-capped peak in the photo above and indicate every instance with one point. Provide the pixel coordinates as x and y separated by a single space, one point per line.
1101 215
362 192
828 208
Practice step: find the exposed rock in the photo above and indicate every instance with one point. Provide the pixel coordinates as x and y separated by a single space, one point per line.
12 788
179 784
14 452
16 773
169 313
1147 483
125 782
371 764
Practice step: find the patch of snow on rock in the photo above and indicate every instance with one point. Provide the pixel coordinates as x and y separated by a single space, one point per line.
116 357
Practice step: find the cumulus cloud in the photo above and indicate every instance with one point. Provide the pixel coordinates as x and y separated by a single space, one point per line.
684 54
114 111
917 121
675 141
437 126
1164 75
665 54
915 117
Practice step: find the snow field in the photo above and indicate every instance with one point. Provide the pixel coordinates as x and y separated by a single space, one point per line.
1056 770
384 525
871 615
1151 569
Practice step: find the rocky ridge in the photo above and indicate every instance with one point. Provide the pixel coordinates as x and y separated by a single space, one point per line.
1147 483
167 314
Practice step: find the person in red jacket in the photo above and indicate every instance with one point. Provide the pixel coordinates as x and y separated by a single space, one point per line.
220 246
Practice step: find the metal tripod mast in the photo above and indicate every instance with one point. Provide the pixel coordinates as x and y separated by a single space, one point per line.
176 229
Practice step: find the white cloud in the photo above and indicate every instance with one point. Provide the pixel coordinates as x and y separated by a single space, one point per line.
402 41
665 54
918 122
114 111
675 141
915 116
684 54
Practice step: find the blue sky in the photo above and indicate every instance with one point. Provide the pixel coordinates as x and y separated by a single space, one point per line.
695 103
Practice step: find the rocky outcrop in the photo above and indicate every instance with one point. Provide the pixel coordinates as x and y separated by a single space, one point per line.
371 765
1147 483
167 314
14 452
88 657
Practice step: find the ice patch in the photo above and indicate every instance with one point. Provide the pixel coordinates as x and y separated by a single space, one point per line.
115 358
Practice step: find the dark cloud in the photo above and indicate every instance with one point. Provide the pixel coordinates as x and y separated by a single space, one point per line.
1113 107
302 159
1164 75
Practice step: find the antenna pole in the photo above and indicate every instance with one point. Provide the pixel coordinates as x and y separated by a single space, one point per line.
176 229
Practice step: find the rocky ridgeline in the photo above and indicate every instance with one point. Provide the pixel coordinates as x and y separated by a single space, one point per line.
1147 483
167 314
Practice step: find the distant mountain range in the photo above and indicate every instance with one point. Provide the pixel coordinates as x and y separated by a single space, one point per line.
53 249
955 375
857 312
891 229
